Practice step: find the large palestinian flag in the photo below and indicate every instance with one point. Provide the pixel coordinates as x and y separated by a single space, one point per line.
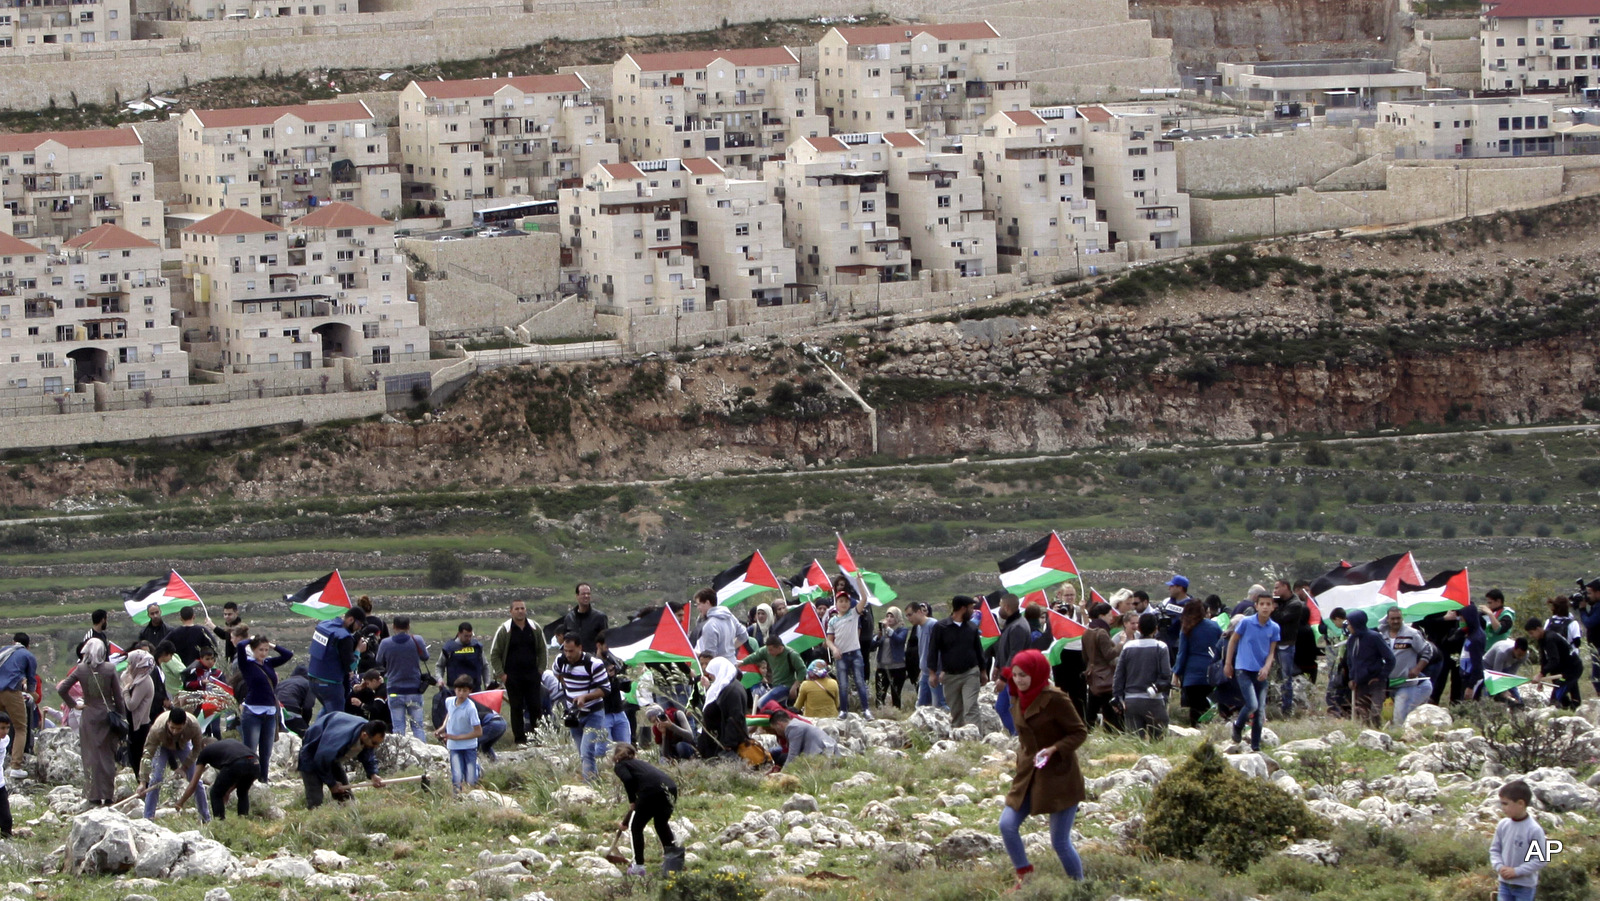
801 628
747 578
1443 593
1039 565
810 584
1373 587
655 637
1067 634
169 592
322 599
870 584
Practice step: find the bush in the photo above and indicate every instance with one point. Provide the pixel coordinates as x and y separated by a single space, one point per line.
1437 858
1473 494
1318 455
1448 530
1287 874
693 885
1590 475
1207 809
444 570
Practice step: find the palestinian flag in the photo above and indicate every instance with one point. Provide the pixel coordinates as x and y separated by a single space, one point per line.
1036 599
801 628
322 599
1222 620
750 674
747 578
1096 598
1039 565
1444 592
758 720
493 700
869 584
1496 682
988 626
1313 610
1373 587
655 637
169 592
1068 634
810 584
116 656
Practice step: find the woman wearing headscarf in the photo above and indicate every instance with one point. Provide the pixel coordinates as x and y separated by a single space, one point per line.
722 715
138 696
1047 778
102 693
818 697
1472 650
760 624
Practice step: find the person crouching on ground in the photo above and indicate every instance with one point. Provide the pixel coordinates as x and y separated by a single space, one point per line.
1047 779
460 733
651 796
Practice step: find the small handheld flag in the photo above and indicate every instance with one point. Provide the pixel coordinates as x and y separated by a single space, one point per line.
1496 682
492 699
988 626
1068 634
811 583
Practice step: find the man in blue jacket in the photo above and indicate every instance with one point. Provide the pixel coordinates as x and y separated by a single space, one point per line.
334 649
1369 660
333 740
401 656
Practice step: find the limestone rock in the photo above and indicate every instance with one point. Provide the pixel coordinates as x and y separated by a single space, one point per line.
286 754
1300 747
801 802
287 867
576 795
1253 765
968 844
218 894
404 752
56 759
1373 740
492 799
101 841
1556 790
968 732
933 720
863 778
327 861
1314 851
1427 718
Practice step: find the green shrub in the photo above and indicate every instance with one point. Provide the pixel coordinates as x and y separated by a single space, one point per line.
1207 809
1437 857
1287 874
1318 455
444 570
1565 880
694 885
1590 475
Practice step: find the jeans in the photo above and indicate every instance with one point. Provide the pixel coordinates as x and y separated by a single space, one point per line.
1516 892
258 732
237 776
164 759
1002 706
492 730
1286 665
929 695
463 767
963 689
593 738
331 694
1408 697
1254 693
1146 716
779 693
1060 838
852 677
618 728
404 707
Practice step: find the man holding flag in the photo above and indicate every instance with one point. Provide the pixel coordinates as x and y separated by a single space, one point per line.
844 643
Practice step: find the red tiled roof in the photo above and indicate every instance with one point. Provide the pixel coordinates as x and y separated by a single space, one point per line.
825 143
699 59
1025 117
484 87
97 137
266 115
901 139
10 245
232 222
108 237
897 34
622 170
340 215
1544 9
700 165
1095 113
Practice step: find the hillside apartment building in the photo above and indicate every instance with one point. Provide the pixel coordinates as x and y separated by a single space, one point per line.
946 79
482 138
836 211
1031 162
1131 174
737 107
1540 44
1469 128
329 285
280 162
55 185
96 310
46 22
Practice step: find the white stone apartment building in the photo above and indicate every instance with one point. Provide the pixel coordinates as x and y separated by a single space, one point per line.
1032 167
1131 174
217 10
1469 128
98 310
734 230
280 162
30 24
57 184
625 229
943 78
331 285
736 107
1330 82
836 210
937 202
1540 44
482 138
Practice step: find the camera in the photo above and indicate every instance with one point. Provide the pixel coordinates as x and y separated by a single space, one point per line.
1580 598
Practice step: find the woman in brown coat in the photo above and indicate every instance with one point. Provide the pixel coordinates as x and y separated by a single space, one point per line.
1048 780
102 692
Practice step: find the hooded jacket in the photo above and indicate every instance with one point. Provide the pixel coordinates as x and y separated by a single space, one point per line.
326 745
294 693
722 634
1367 655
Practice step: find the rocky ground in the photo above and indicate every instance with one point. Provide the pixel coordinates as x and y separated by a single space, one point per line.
908 798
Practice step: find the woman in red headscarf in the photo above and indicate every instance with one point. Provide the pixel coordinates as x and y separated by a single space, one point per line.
1048 780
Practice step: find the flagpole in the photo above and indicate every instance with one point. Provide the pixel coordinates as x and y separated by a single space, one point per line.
861 588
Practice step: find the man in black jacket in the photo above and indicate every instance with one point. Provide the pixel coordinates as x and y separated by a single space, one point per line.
583 620
955 655
1559 665
1290 616
1446 633
155 631
189 638
1015 637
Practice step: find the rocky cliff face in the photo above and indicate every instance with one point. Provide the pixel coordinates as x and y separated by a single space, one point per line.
1209 31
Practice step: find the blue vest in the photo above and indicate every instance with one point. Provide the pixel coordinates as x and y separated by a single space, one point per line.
325 641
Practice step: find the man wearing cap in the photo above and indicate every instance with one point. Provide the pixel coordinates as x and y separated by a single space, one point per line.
955 655
1172 613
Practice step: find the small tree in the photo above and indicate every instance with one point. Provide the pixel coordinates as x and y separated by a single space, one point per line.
444 570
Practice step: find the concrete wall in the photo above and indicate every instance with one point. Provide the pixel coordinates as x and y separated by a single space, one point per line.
27 432
569 317
1259 165
480 286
